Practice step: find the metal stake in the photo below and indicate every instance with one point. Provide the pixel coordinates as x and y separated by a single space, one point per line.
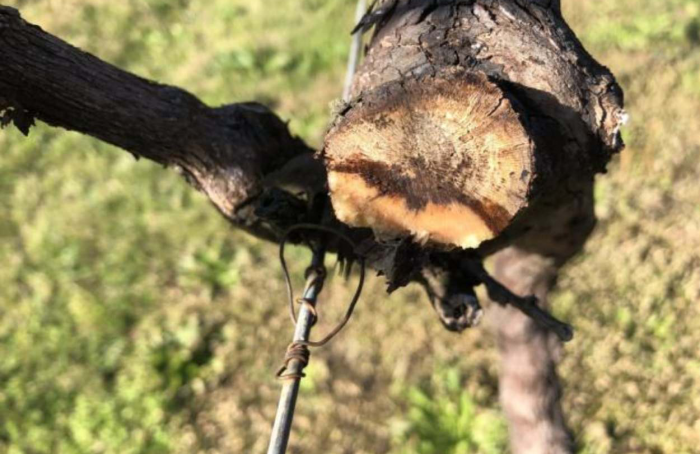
355 51
285 409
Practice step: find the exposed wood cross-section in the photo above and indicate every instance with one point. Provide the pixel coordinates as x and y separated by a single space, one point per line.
475 128
444 159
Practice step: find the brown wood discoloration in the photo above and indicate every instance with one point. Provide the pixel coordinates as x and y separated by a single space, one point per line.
476 123
433 222
445 159
491 107
563 109
415 192
571 109
524 46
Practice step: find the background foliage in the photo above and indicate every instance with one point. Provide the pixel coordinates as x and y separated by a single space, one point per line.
134 320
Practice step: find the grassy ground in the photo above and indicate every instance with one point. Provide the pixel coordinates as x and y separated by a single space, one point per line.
134 320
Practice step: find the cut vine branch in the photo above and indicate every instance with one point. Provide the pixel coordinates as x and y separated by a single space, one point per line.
474 128
225 152
500 294
467 118
473 125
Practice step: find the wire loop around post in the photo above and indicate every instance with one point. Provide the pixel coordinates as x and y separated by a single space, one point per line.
296 351
290 290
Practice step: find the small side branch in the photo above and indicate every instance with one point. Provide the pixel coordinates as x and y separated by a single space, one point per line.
498 293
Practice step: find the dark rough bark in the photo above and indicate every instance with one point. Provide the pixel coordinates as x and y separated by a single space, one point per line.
225 152
571 108
262 178
564 108
569 105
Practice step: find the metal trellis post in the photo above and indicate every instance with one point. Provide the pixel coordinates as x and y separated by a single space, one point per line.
305 320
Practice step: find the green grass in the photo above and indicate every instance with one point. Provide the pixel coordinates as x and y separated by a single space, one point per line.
443 418
133 319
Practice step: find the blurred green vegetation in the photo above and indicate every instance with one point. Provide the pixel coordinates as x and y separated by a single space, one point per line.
133 319
444 419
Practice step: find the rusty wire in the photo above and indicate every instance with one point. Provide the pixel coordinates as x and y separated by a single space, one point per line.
296 351
290 290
